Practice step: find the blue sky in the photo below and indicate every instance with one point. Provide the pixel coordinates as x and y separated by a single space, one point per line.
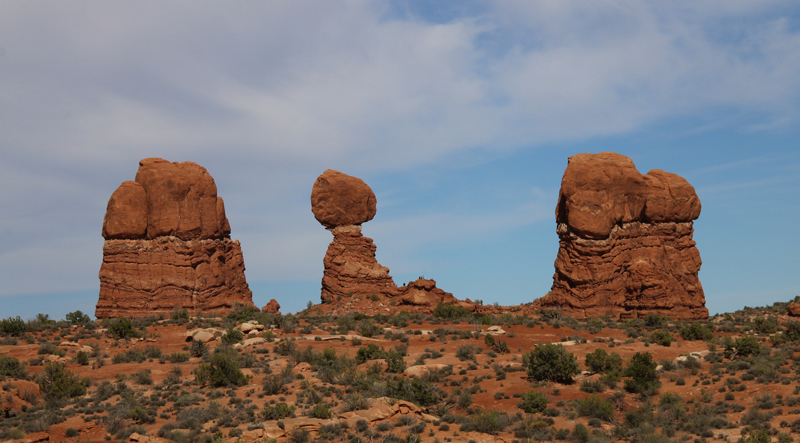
460 116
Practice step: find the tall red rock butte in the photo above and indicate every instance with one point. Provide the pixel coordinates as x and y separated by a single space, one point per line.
626 245
167 246
342 203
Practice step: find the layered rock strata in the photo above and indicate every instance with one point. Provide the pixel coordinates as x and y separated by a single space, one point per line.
626 245
168 246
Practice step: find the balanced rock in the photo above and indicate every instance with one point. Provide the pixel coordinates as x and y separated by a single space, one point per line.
168 246
338 200
626 245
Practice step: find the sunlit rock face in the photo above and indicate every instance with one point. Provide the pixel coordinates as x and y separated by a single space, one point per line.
626 245
167 246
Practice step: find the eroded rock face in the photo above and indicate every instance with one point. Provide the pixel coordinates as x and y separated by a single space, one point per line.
626 245
351 268
168 246
272 307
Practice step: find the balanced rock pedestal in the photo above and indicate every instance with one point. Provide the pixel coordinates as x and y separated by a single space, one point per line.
168 246
626 245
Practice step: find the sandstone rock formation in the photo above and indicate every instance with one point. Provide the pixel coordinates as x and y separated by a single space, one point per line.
626 245
272 307
342 203
168 246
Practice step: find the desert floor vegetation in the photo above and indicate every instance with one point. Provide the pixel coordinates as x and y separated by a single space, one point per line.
407 377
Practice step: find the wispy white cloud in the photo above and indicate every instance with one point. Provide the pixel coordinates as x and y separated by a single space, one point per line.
268 95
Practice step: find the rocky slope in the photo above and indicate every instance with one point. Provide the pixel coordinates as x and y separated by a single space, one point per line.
168 246
626 245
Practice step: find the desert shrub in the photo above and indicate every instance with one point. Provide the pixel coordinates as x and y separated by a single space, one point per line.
551 362
143 377
221 370
273 384
240 313
232 336
178 357
487 422
642 370
122 329
662 338
129 356
595 406
766 325
581 433
416 390
600 361
371 352
277 412
78 318
194 418
501 347
532 402
395 363
653 320
742 347
82 358
696 331
58 382
792 330
466 352
198 349
71 432
320 410
153 352
591 386
11 367
13 326
180 315
489 340
756 436
450 311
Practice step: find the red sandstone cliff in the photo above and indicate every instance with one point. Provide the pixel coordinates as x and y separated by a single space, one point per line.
168 246
626 245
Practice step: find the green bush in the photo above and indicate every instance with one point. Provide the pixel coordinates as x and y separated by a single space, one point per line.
395 363
792 330
11 367
743 346
240 313
232 336
416 390
58 382
600 361
551 362
320 410
487 422
78 318
696 331
595 406
221 370
13 326
451 311
371 352
766 325
122 329
653 320
180 315
643 375
277 412
532 402
82 358
662 338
